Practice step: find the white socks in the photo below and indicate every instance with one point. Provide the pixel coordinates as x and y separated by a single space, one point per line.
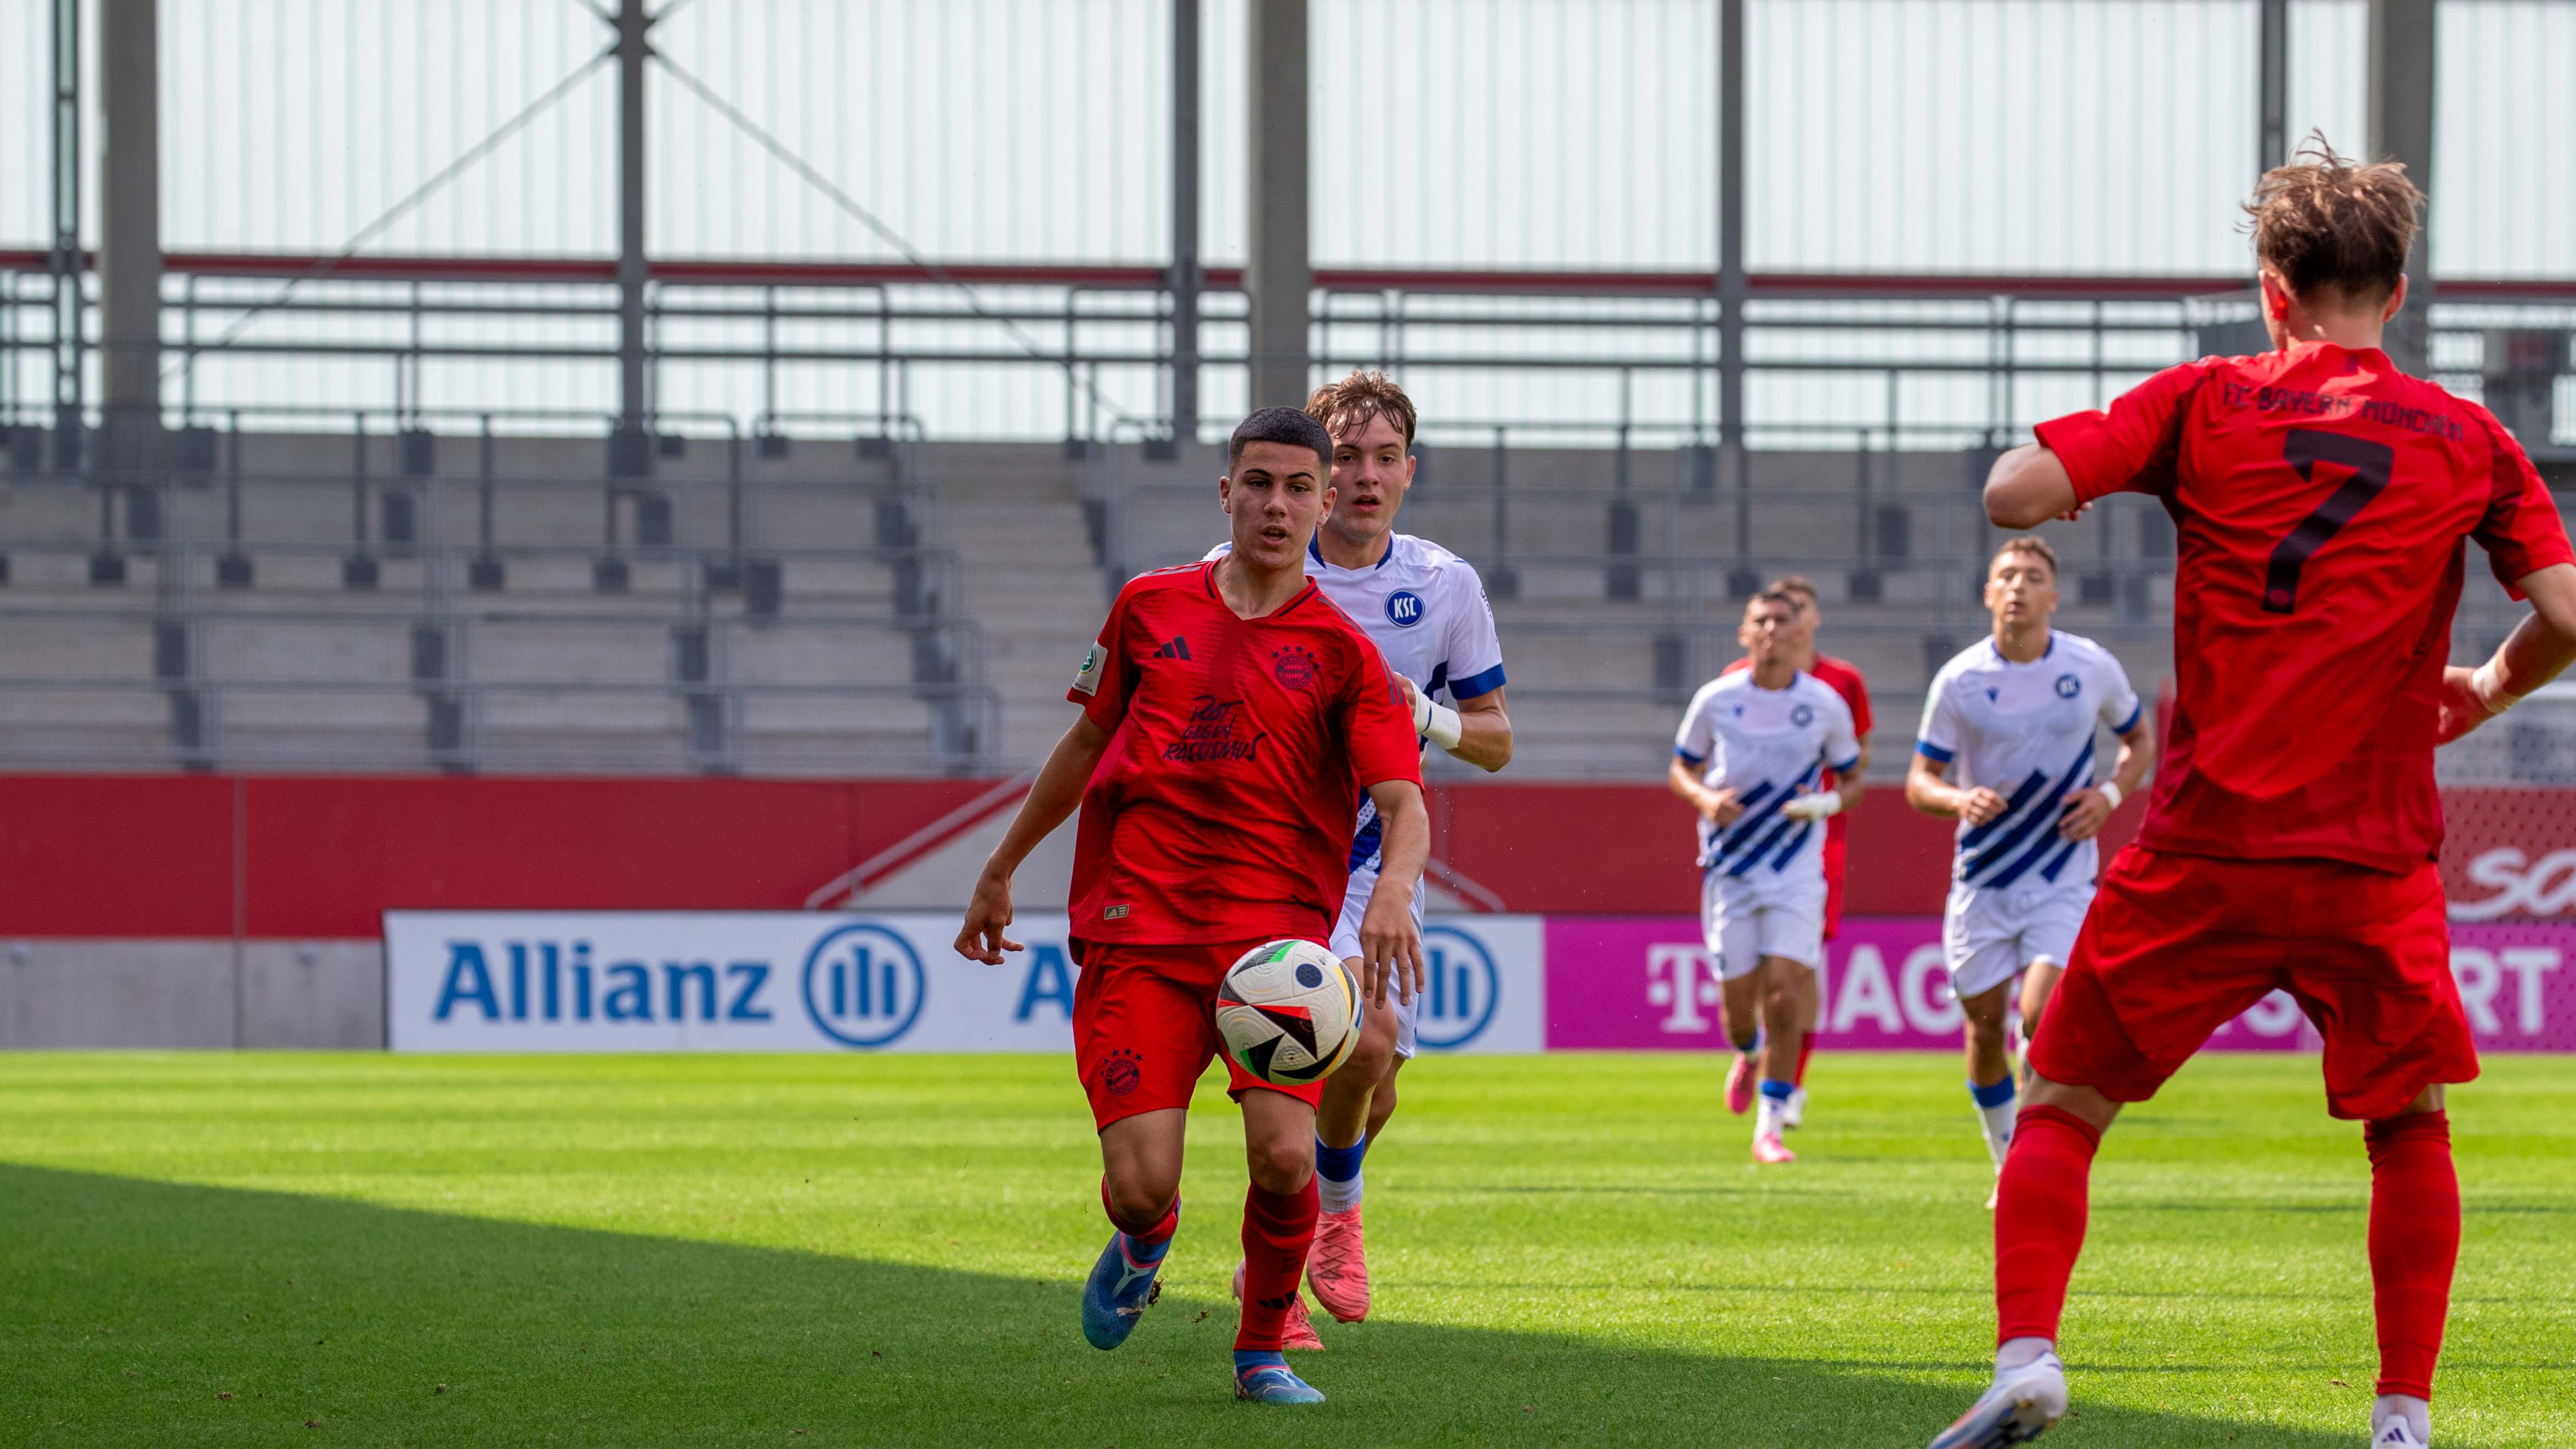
1337 1197
2019 1352
1995 1108
2417 1414
1766 1119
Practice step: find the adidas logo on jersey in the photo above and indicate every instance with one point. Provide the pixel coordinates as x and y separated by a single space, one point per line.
1175 647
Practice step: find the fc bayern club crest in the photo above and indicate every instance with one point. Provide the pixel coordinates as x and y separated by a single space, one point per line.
1294 667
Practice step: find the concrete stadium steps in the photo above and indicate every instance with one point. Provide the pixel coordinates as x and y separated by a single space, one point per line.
816 654
1031 579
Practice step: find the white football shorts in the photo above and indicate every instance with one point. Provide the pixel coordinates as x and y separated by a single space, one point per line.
1988 936
1346 944
1746 920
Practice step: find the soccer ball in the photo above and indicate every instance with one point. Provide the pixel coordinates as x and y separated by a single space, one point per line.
1288 1012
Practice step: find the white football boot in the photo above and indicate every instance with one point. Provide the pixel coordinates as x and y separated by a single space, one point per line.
2018 1408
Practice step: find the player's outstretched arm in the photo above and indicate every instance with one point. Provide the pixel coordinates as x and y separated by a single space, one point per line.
2539 648
2027 487
1389 943
1054 796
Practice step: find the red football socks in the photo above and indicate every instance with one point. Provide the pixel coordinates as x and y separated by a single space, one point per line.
1153 1237
2039 1220
1805 1050
2414 1244
1277 1228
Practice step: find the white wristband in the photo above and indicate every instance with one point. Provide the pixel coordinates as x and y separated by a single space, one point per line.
1442 727
2111 792
1816 806
2490 689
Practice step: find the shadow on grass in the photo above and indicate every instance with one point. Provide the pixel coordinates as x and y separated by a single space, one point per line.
138 1312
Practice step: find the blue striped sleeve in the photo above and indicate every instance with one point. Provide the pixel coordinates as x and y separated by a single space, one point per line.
1845 767
1477 685
1934 753
2126 725
1687 758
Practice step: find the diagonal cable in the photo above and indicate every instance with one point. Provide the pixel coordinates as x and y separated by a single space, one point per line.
937 273
405 206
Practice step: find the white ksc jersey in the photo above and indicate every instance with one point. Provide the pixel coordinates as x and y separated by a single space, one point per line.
1767 745
2025 731
1426 610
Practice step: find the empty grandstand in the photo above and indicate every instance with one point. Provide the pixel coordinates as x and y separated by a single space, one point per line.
745 464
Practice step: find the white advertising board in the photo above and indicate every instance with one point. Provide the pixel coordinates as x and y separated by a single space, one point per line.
628 981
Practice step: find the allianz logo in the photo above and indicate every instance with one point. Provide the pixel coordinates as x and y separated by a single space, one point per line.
2545 887
552 981
1461 987
861 984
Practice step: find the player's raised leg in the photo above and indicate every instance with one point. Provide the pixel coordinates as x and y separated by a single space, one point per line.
1140 1187
1278 1224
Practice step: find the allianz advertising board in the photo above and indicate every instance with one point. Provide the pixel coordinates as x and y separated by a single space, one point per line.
545 981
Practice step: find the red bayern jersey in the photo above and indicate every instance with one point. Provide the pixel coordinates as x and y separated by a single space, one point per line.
1844 678
1239 750
2319 497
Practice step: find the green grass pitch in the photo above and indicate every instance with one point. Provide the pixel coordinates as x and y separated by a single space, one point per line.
372 1250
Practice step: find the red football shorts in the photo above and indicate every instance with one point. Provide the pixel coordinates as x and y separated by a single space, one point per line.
1833 861
1144 1027
2177 945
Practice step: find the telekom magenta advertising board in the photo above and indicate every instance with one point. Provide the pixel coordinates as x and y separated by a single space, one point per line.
1631 983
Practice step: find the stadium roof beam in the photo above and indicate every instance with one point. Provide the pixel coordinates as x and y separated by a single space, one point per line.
1280 279
66 258
2401 129
1186 279
130 234
2272 73
627 453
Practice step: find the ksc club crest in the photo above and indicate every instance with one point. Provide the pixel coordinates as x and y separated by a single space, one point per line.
1294 667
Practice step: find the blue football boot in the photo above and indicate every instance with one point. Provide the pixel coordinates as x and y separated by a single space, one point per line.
1120 1289
1265 1378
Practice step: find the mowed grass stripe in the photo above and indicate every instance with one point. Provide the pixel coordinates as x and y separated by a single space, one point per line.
887 1250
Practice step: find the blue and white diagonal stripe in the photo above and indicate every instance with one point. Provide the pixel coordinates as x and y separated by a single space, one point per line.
2024 837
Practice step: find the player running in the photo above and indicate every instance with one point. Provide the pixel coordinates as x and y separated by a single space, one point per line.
2017 712
1846 680
1426 609
2321 498
1750 757
1231 718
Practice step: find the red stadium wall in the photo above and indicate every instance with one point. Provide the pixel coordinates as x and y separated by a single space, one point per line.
306 857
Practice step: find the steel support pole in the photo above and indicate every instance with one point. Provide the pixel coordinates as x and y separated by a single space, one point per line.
1185 220
628 452
64 260
2401 129
1281 276
129 249
2273 80
1730 251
